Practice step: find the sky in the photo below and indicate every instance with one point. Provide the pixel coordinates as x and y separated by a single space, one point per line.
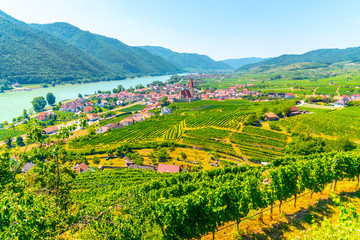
221 29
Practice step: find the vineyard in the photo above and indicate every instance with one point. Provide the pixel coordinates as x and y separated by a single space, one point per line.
174 132
207 133
190 205
336 123
227 120
210 144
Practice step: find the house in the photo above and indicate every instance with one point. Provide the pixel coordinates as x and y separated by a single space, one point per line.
355 96
138 117
127 121
88 109
168 168
271 116
92 117
280 95
148 115
50 130
27 168
82 167
341 103
272 95
165 111
294 109
42 116
289 95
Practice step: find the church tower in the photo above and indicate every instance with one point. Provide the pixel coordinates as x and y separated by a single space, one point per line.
191 88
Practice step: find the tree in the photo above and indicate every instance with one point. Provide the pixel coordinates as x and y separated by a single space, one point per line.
183 155
50 98
120 88
162 155
139 86
96 160
25 114
83 123
164 101
39 104
8 141
80 95
20 141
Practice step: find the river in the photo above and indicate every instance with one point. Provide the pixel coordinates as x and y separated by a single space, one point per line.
13 103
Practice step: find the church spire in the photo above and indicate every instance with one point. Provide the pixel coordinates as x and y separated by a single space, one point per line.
191 84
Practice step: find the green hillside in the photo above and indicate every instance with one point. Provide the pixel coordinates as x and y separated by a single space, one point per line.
319 56
119 57
239 62
190 61
28 55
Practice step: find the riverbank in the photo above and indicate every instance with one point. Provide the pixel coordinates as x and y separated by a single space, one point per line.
12 103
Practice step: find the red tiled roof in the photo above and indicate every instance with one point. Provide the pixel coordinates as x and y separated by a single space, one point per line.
294 109
82 167
168 168
50 129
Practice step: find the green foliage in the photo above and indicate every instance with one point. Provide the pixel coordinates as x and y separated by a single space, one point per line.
39 104
208 133
162 155
20 141
50 98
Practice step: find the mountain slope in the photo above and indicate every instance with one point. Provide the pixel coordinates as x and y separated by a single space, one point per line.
239 62
118 56
187 60
28 55
319 56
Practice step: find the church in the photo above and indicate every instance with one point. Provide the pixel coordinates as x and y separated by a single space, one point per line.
188 94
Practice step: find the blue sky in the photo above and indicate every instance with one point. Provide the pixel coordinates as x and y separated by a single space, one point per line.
220 29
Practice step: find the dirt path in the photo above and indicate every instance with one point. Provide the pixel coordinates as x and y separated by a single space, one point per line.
337 91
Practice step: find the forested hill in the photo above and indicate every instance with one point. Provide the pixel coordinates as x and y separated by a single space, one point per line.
28 55
319 56
188 61
239 62
119 57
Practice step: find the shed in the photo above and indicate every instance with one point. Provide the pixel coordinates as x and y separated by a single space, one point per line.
27 167
168 168
271 116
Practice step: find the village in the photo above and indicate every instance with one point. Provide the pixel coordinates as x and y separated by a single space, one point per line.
156 98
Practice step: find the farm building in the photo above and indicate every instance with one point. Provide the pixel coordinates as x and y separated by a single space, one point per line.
82 167
271 116
168 168
50 130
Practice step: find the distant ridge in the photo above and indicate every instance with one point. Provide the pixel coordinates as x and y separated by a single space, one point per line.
239 62
188 61
319 56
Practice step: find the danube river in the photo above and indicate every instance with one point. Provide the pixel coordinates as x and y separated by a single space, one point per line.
13 103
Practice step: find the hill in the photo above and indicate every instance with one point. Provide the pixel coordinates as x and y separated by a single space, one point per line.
318 56
119 57
28 55
188 61
239 62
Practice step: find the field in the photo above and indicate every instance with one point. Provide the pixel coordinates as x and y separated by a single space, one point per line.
209 125
333 123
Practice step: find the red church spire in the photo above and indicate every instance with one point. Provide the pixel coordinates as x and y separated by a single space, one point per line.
191 84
